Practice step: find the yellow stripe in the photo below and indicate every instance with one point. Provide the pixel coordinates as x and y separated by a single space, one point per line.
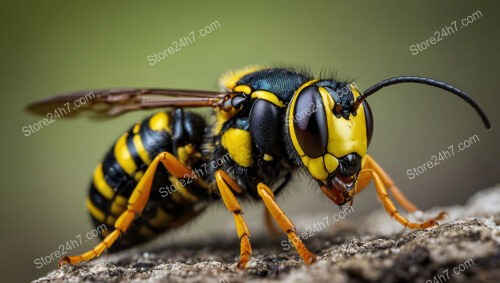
119 203
222 117
181 190
268 96
184 152
161 220
136 128
121 200
117 209
160 122
101 185
229 79
140 149
268 157
123 157
96 212
138 175
243 88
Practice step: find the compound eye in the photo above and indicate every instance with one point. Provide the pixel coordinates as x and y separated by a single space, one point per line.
368 120
309 122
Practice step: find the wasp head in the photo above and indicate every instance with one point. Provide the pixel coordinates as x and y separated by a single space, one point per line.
329 136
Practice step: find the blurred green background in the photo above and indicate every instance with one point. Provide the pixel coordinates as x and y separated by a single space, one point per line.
49 47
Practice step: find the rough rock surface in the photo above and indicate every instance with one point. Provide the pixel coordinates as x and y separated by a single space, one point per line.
463 248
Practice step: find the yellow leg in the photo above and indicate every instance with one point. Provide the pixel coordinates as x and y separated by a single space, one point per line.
285 224
364 179
389 183
371 172
135 205
271 228
226 185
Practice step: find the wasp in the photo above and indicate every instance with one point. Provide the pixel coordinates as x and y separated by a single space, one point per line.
267 124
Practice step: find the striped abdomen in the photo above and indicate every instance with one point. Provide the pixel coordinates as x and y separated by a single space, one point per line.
116 177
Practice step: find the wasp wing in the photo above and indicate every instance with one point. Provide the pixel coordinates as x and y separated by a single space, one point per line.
112 102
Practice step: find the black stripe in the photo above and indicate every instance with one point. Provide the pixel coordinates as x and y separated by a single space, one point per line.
154 142
123 185
98 200
133 150
116 177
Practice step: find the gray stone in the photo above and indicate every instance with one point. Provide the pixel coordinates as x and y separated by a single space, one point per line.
463 248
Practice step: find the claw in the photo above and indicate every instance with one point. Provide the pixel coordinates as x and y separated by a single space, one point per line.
63 261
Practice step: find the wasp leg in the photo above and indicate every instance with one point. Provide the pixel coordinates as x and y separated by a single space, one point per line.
389 205
226 184
388 182
271 228
398 195
363 181
285 224
135 205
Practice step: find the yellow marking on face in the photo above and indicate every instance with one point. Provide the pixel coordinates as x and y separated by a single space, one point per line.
229 79
291 110
94 211
347 136
268 157
331 163
146 232
316 167
238 143
161 220
101 185
326 97
123 157
139 146
136 128
160 122
242 88
117 209
321 166
268 96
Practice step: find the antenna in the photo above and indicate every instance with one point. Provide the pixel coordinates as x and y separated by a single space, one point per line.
421 80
